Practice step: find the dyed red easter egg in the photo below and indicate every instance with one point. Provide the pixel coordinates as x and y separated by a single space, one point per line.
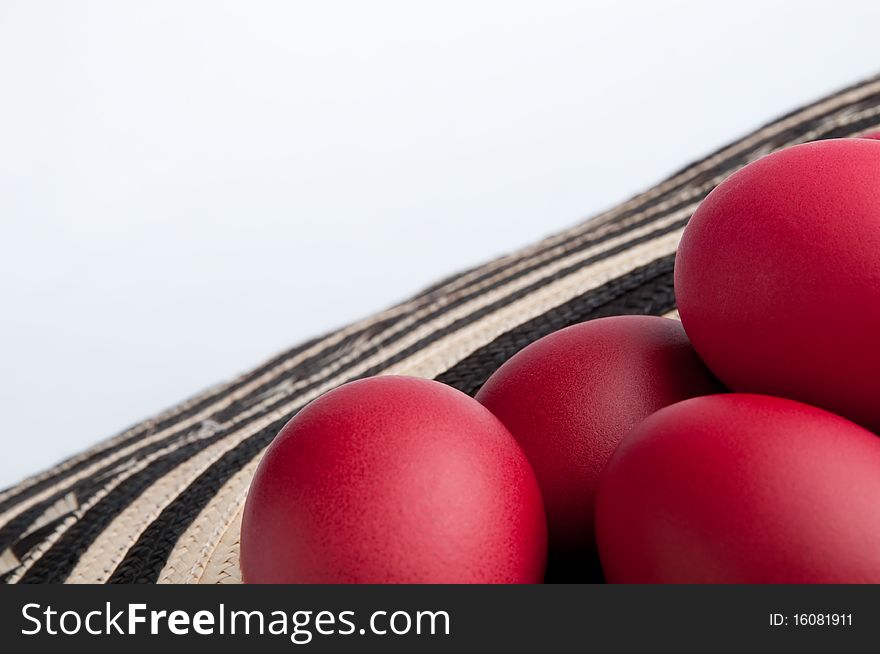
777 277
394 480
571 396
742 488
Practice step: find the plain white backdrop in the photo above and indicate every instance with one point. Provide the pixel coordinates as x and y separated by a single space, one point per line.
188 187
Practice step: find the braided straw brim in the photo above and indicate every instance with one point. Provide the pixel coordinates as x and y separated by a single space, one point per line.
161 502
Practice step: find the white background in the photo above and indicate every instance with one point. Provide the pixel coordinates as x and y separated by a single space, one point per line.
188 187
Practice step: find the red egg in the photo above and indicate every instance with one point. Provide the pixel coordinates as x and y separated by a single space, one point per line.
777 277
571 396
394 480
873 135
742 488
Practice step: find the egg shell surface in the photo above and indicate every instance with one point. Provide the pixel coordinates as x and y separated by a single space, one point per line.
570 397
742 488
777 277
394 480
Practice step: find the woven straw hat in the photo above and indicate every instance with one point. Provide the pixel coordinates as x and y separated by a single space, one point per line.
161 502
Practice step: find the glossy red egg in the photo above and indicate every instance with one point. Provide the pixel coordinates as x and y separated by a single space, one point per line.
777 277
571 396
742 488
394 480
